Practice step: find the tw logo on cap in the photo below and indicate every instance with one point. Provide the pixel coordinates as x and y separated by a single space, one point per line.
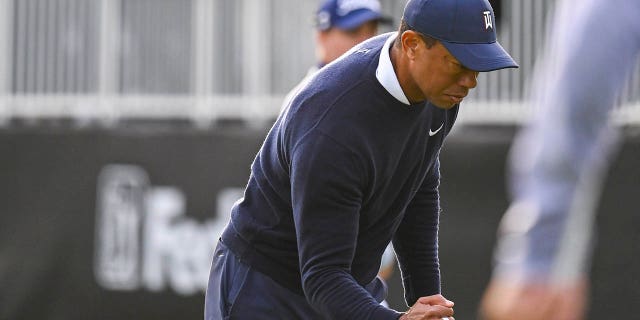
487 20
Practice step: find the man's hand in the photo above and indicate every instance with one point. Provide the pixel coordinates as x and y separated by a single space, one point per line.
532 301
434 307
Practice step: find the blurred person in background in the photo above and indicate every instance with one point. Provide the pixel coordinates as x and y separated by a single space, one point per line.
351 164
558 163
338 29
340 25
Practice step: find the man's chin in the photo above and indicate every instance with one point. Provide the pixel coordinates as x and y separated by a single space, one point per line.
444 105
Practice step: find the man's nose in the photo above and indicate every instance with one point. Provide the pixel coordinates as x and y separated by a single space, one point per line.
469 79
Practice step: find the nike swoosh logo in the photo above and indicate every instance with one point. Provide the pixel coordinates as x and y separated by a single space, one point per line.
433 133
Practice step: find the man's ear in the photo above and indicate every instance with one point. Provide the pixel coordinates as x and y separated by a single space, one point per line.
410 43
321 36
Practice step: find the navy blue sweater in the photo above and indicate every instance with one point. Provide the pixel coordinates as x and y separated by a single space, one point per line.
345 169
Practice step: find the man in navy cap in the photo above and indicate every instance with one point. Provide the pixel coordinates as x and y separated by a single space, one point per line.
351 164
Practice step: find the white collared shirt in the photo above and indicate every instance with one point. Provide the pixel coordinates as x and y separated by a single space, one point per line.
387 76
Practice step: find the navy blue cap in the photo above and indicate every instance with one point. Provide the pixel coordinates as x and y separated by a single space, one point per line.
467 28
348 14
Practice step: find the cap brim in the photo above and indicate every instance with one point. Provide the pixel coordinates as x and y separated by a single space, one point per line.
356 19
481 56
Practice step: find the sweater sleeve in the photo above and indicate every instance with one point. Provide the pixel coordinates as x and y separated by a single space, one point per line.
416 241
326 196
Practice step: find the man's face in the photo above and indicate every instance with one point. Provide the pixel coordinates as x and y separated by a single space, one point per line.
439 77
336 41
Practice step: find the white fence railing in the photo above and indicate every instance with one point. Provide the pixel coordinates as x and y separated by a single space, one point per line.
207 59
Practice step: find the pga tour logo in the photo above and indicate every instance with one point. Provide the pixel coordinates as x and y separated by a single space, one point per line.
143 238
487 20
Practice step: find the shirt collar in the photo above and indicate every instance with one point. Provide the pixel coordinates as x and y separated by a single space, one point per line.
387 76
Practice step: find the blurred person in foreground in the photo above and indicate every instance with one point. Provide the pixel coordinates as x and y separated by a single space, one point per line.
351 164
558 162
